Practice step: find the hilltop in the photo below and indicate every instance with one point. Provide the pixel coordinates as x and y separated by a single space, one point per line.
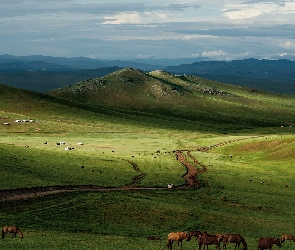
190 98
271 75
157 98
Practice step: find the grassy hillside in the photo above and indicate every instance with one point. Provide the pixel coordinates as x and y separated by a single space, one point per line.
116 177
183 97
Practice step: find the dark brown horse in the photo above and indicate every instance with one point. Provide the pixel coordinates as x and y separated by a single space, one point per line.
234 238
266 243
195 234
14 230
153 238
209 239
289 237
178 237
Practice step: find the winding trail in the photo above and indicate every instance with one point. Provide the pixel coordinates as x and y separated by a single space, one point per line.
193 170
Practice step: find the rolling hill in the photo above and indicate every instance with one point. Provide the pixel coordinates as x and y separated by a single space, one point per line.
190 98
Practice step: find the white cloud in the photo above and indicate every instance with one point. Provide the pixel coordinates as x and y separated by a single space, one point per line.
123 18
288 44
194 37
252 10
214 53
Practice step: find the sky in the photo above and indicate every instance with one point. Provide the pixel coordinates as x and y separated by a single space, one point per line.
150 29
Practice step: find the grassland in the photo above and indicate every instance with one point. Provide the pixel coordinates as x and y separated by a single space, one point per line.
251 163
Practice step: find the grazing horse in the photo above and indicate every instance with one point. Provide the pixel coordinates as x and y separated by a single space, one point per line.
195 234
234 238
289 237
266 243
153 238
210 239
14 230
179 237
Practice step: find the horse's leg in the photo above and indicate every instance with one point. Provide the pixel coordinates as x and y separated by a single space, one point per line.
200 245
169 245
238 245
3 234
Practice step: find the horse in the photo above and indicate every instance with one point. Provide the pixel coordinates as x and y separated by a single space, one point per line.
266 243
210 239
14 230
234 238
195 234
289 237
153 238
179 237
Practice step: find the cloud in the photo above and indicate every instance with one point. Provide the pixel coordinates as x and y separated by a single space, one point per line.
137 28
290 45
123 18
215 53
254 9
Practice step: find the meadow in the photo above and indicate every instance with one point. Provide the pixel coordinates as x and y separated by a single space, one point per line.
252 166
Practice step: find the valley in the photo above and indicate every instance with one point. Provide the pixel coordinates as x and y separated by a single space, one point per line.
228 151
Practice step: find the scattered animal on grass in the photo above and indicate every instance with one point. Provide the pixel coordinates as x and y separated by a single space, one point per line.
209 239
14 230
153 238
266 243
234 238
289 237
178 237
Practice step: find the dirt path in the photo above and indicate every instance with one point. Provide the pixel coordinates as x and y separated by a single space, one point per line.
190 177
192 170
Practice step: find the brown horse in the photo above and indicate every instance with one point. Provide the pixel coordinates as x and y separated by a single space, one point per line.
178 237
266 243
289 237
153 238
234 238
195 234
14 230
209 239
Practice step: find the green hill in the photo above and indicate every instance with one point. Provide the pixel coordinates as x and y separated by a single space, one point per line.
183 97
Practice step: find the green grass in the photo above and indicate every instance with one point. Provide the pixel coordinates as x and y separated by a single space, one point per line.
250 151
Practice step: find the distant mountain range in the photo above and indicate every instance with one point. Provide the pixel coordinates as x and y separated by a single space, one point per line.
44 73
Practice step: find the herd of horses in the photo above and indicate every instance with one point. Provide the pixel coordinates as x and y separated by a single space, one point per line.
204 239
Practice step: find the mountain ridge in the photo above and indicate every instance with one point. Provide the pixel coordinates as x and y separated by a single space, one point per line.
45 73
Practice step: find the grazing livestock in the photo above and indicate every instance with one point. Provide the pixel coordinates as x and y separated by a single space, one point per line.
178 237
195 234
153 238
14 230
223 198
266 243
289 237
234 238
209 239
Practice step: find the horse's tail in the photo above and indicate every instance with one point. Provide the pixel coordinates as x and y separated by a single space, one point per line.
3 234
